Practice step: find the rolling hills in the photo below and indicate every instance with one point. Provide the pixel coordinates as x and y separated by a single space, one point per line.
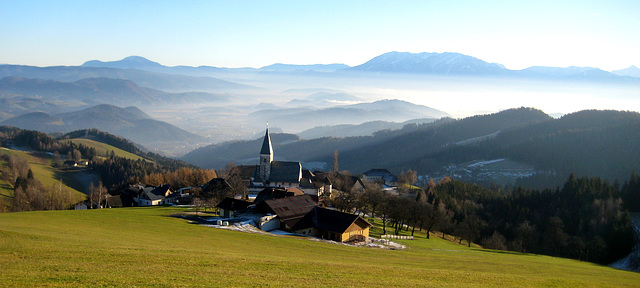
93 91
143 247
129 122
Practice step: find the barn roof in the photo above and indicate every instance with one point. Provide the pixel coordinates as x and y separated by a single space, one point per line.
291 207
233 204
333 220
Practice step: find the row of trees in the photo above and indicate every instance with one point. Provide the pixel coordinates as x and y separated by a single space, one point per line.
584 219
182 177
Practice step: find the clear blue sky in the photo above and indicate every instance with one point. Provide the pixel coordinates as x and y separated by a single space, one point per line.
518 34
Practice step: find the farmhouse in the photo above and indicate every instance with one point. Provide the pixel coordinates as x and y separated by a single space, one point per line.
302 215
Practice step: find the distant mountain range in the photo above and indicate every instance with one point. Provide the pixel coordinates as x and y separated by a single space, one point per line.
443 64
130 123
150 74
279 67
455 64
140 76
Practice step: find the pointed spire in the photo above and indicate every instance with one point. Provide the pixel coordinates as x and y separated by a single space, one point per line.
266 144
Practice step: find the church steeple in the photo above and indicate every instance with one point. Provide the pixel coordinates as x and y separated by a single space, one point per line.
266 144
266 156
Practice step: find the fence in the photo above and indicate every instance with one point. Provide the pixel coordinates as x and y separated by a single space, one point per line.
400 237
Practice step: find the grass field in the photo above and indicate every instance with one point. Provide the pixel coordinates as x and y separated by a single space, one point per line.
105 149
143 247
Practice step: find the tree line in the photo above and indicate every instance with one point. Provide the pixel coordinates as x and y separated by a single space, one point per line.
586 218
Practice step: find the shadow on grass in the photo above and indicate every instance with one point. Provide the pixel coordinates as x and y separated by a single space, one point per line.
78 179
504 252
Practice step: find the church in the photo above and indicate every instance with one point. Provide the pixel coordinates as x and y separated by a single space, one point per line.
285 174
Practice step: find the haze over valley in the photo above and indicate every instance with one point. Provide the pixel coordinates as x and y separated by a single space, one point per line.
225 104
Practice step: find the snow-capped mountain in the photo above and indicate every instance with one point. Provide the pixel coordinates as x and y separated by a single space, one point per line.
430 63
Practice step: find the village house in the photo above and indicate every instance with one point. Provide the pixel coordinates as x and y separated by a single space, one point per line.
152 196
383 176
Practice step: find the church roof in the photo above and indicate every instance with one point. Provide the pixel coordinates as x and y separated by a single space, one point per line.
281 171
266 144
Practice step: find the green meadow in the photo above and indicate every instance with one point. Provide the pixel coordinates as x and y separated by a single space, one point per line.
139 247
105 149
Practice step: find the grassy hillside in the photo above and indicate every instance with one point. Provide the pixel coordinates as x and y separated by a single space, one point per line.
6 189
105 149
45 173
142 247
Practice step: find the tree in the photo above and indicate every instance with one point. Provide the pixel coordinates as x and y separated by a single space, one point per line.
445 220
496 242
526 236
96 194
384 208
77 156
373 197
336 167
555 239
406 181
432 217
56 160
471 226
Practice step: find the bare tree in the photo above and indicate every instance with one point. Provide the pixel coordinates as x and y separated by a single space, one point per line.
496 242
77 156
336 167
432 218
373 197
96 194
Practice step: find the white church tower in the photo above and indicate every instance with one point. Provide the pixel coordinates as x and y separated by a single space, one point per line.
266 157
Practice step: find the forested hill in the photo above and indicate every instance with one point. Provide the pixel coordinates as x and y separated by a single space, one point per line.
391 148
586 143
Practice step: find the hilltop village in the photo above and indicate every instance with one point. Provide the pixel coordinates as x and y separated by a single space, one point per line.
273 195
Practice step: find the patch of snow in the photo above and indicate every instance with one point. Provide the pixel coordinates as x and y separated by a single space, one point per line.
482 163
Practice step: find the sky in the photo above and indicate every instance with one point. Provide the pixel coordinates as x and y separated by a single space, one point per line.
517 34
